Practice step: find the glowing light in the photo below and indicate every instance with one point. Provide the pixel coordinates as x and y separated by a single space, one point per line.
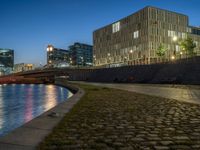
108 54
50 98
181 53
173 57
131 51
175 38
51 48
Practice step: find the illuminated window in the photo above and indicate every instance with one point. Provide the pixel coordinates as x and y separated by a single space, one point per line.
177 48
116 27
171 33
196 43
189 30
184 35
136 34
179 34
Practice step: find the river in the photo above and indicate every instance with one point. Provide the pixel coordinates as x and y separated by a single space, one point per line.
20 103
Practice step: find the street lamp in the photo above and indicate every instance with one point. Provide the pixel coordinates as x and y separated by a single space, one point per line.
94 59
181 53
131 52
81 60
108 59
125 59
175 38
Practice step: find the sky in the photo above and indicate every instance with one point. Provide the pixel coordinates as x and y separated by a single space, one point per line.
28 26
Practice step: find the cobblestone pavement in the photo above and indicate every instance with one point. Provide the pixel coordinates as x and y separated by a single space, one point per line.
186 93
115 119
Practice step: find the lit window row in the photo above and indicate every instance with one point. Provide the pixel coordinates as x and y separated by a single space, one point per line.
178 48
175 33
116 27
189 30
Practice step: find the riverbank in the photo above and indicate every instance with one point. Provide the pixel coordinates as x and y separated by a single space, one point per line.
114 119
32 133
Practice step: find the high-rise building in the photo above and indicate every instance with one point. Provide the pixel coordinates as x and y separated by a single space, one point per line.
57 57
6 61
81 54
135 39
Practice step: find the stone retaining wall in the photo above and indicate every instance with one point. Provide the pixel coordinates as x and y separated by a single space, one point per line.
180 72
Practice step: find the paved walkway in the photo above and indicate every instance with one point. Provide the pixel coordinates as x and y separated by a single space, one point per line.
184 93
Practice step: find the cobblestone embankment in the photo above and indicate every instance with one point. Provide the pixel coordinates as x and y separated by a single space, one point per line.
114 119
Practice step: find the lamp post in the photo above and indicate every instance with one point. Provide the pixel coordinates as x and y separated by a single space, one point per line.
81 61
94 59
175 38
181 53
108 60
131 52
125 59
173 58
70 61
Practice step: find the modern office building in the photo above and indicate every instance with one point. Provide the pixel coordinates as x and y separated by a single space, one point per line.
23 67
135 39
57 57
6 61
81 54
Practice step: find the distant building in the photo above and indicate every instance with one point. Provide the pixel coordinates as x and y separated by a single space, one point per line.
81 54
57 57
136 38
6 61
23 67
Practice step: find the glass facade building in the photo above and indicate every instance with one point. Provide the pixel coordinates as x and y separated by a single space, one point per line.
195 30
81 54
57 57
6 61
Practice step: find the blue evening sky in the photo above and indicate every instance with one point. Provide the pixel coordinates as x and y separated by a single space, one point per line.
28 26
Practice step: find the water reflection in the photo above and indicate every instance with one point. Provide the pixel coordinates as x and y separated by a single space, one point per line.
50 97
21 103
29 105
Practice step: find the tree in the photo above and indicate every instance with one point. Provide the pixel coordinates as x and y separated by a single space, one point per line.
188 46
161 50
